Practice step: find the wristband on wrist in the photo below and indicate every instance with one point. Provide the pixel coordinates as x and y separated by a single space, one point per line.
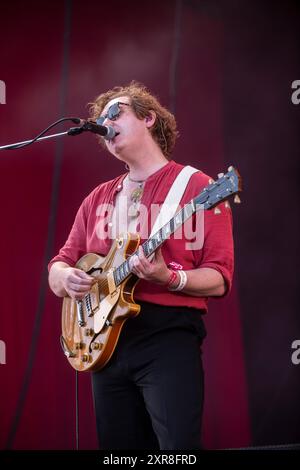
172 279
182 281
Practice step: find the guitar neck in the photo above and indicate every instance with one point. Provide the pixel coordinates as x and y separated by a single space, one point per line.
154 242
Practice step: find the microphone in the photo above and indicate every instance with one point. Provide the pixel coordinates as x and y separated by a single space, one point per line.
107 132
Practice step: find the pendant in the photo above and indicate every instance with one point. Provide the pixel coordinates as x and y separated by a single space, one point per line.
136 194
133 211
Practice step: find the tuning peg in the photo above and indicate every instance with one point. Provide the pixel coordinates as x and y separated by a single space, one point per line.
211 181
220 175
217 211
227 204
237 199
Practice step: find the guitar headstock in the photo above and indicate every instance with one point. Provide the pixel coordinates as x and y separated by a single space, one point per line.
220 190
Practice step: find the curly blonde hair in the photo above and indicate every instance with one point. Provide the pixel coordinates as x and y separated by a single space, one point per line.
142 102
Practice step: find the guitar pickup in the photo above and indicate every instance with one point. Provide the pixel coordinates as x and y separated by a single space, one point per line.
80 314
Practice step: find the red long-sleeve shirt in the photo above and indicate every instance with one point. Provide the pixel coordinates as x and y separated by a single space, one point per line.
212 249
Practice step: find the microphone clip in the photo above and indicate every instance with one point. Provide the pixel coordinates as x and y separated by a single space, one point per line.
86 126
107 132
75 130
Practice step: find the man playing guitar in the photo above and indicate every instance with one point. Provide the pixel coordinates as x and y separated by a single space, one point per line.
149 394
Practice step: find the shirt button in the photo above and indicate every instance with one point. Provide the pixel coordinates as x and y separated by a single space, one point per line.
119 187
110 224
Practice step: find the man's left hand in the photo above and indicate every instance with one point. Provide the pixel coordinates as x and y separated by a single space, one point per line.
154 271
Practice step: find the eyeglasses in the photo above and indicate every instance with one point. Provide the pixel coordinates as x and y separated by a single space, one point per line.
112 114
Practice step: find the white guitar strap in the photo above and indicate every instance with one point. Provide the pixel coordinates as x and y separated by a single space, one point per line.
169 207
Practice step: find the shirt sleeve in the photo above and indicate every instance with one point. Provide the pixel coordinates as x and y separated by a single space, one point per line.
218 249
75 246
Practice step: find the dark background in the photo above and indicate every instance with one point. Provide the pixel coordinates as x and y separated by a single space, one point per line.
225 69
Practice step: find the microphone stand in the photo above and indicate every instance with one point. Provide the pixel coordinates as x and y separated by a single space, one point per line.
72 131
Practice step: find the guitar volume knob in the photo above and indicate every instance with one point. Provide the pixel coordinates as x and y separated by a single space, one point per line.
85 357
89 332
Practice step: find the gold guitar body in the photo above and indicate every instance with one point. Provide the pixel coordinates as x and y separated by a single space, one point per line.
91 328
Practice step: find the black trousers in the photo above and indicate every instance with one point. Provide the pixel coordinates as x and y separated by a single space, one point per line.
150 394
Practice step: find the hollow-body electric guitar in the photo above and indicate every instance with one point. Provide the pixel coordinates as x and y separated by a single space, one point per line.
91 327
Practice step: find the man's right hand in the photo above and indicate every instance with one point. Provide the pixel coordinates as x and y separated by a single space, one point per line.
65 280
76 282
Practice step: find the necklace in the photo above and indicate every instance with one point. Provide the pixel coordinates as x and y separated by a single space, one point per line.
136 181
135 197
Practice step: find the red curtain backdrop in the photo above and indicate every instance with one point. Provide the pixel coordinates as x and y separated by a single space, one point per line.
54 61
